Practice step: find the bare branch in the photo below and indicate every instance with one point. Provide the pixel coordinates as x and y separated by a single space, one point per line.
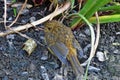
23 27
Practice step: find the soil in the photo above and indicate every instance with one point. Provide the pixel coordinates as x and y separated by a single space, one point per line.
15 64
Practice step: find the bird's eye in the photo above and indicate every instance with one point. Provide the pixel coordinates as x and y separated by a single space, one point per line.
49 28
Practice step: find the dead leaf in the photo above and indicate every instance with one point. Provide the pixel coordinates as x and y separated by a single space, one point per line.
29 46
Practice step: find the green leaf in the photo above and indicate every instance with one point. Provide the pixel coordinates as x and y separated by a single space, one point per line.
106 19
88 10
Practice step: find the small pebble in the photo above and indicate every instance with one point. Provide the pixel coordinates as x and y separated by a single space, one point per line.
54 65
117 33
1 19
30 79
112 39
24 73
23 21
87 32
100 56
44 55
87 47
112 58
10 36
32 67
32 19
10 19
5 78
92 68
58 77
82 35
115 78
42 37
7 72
116 44
116 51
44 73
25 12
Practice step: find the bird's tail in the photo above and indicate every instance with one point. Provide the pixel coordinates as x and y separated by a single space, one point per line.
78 69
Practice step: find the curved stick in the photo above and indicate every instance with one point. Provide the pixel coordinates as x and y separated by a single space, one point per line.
26 26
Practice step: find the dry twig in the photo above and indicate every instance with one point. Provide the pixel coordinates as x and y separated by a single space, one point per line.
23 27
23 6
95 43
5 13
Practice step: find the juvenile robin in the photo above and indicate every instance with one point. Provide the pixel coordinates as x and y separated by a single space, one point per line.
62 43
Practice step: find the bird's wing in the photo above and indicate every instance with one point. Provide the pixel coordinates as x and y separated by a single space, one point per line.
78 47
59 50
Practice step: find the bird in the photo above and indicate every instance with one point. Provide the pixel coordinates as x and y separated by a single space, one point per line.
62 43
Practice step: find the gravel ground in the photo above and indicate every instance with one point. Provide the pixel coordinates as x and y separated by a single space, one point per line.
15 64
